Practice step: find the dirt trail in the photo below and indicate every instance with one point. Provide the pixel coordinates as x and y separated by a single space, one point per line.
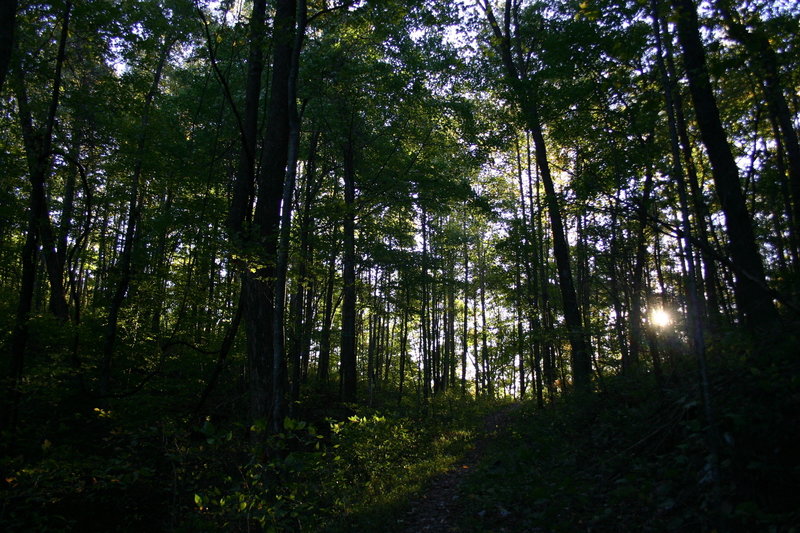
440 508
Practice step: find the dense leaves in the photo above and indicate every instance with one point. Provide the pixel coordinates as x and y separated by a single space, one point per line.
260 260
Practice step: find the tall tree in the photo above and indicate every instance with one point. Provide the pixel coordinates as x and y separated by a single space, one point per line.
752 293
765 63
38 151
525 92
125 265
349 373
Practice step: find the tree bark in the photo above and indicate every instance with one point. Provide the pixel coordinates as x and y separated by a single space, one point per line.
403 344
464 337
286 22
38 148
323 363
38 151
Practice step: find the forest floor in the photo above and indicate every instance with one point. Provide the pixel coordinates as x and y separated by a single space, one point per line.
633 457
440 507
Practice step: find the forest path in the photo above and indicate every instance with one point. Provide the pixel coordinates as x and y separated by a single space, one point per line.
440 507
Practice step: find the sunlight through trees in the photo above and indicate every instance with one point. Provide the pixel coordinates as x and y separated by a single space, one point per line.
248 212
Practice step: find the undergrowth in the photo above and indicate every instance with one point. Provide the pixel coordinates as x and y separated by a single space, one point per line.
636 457
119 468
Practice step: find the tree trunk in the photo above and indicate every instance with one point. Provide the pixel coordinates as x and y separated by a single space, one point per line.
525 95
765 63
403 345
710 272
581 360
38 151
751 289
348 350
475 356
450 328
487 383
640 261
323 363
424 311
464 338
38 147
519 343
285 20
131 233
303 297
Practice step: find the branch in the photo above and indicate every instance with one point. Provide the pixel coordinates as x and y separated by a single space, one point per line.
673 231
225 87
329 10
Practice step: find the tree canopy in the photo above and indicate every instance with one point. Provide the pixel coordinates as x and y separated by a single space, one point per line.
237 214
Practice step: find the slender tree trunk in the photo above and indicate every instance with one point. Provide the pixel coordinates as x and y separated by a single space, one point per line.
488 386
464 337
323 364
38 147
425 311
764 61
695 304
403 345
372 334
580 349
308 323
788 211
638 271
526 99
536 278
710 272
451 330
303 296
131 234
288 15
348 350
548 350
475 357
254 293
433 336
615 289
751 290
38 151
389 345
519 343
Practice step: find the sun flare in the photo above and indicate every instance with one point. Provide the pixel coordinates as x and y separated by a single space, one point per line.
660 318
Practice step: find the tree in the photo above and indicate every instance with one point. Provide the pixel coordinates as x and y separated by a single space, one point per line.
752 293
38 149
524 90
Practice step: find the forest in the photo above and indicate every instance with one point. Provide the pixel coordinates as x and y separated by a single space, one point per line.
399 265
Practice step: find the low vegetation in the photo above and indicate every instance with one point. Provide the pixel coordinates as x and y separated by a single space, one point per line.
639 458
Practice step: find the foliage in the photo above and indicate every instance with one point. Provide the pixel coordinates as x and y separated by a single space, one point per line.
124 131
359 469
644 462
